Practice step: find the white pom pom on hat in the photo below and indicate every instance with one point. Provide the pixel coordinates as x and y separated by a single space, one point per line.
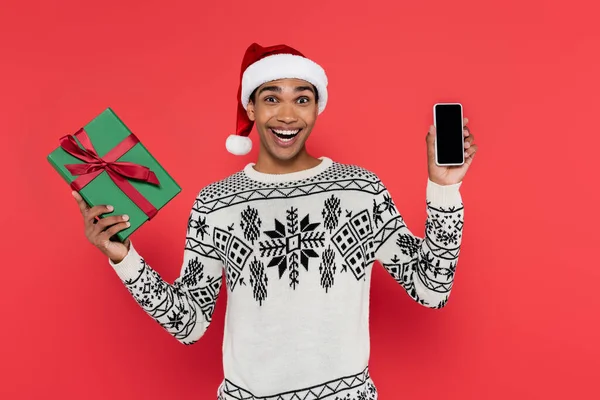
265 64
238 145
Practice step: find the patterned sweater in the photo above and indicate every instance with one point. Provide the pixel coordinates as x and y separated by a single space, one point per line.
297 252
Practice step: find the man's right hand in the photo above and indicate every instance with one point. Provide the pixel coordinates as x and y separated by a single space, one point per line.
100 231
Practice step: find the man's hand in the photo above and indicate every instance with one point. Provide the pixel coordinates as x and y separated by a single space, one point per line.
99 231
454 173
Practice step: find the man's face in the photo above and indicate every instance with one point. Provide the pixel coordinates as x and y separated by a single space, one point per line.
284 112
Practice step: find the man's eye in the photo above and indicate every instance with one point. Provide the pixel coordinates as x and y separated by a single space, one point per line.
269 98
304 99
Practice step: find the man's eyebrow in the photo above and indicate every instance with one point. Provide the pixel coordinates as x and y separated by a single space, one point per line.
270 89
303 88
278 89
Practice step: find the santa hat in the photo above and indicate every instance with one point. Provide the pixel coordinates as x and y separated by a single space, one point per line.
265 64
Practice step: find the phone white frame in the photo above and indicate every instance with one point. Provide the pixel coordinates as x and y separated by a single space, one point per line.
463 141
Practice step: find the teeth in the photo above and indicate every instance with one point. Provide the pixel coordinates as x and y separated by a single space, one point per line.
286 133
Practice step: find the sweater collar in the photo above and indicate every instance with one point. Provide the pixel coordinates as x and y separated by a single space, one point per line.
288 177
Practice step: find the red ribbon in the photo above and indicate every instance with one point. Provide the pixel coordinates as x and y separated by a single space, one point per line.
118 171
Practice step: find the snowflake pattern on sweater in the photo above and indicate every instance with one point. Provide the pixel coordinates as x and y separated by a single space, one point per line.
296 252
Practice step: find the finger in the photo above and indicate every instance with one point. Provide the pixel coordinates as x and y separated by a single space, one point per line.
466 131
469 140
472 150
83 206
113 230
108 221
465 121
469 160
96 211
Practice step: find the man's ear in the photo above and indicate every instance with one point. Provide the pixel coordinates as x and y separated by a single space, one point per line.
250 111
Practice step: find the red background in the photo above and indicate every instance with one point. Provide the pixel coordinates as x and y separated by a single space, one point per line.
522 321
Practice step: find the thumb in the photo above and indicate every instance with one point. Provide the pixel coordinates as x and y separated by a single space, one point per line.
430 139
83 206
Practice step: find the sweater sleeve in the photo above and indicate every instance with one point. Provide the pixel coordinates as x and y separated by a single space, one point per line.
184 309
424 267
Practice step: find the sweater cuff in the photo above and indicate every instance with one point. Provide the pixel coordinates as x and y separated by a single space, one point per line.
129 268
443 194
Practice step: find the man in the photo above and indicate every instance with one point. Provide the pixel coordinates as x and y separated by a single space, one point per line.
296 237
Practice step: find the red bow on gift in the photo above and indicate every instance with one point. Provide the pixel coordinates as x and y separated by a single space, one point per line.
118 171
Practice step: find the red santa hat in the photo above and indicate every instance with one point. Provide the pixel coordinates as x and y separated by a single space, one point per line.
265 64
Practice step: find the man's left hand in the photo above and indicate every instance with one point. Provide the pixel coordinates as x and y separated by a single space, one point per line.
448 175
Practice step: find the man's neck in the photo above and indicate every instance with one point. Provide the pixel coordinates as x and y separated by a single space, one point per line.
270 165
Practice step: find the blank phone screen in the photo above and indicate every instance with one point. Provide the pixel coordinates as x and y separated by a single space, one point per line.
449 133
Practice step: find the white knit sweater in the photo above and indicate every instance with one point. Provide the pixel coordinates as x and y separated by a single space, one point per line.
297 251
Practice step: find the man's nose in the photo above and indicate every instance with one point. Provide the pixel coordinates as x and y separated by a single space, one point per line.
287 113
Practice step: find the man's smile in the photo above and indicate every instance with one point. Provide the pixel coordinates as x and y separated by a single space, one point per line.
285 136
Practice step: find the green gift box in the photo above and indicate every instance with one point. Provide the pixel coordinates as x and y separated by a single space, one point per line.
107 164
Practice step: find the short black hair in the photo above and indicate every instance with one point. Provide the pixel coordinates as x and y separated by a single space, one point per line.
253 95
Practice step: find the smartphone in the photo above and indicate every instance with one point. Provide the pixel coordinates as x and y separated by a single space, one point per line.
449 139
